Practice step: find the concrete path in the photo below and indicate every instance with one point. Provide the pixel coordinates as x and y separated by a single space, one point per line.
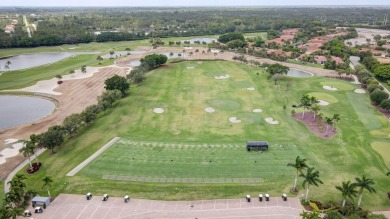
93 156
76 206
17 169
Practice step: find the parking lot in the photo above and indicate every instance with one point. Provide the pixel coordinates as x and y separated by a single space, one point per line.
76 206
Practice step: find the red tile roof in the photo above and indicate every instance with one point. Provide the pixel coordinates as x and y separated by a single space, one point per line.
338 60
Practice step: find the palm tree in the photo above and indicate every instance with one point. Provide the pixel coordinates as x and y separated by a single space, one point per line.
47 180
34 143
310 178
190 54
99 58
305 103
8 63
299 165
310 215
111 54
335 119
329 121
315 108
84 69
26 150
364 184
347 190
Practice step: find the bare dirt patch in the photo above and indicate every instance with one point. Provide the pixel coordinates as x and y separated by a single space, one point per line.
316 125
76 96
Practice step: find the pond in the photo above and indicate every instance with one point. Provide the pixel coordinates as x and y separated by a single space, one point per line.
32 60
122 53
298 74
207 40
19 110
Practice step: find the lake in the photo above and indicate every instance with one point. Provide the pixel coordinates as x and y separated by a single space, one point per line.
19 110
298 74
24 61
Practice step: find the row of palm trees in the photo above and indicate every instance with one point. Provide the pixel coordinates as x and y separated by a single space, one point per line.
16 200
347 189
311 103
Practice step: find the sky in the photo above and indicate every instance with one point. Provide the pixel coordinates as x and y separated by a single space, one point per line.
169 3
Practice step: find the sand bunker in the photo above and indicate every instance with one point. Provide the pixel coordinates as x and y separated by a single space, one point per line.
250 88
323 103
209 109
199 62
48 86
234 120
360 91
215 51
222 77
158 110
190 67
73 48
271 121
187 47
10 152
329 88
257 110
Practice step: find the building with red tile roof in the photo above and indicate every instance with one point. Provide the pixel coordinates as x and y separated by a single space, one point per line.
338 60
320 59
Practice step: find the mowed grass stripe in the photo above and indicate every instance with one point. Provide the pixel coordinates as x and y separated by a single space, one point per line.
184 131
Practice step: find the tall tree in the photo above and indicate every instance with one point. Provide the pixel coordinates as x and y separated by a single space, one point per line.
310 178
348 190
26 150
117 82
305 103
111 54
99 58
335 119
329 122
364 183
47 183
84 69
299 166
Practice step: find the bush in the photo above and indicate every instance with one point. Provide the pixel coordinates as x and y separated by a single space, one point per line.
371 88
378 96
385 104
373 82
333 215
365 79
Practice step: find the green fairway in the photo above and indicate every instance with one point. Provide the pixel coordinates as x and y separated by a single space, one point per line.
26 77
383 148
181 142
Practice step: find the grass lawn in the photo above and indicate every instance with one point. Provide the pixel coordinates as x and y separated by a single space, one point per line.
383 148
27 77
181 142
2 195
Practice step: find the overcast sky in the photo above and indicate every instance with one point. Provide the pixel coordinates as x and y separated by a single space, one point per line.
168 3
